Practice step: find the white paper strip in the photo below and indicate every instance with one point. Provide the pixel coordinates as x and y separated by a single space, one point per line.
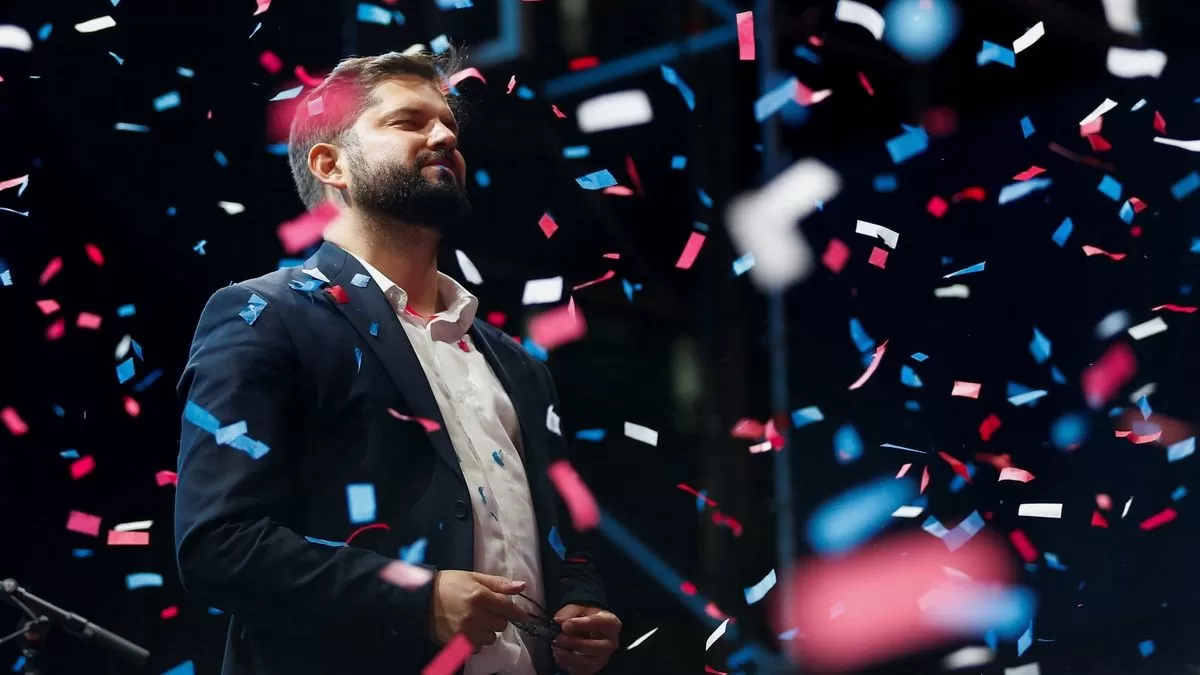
538 291
1108 104
640 433
614 111
1040 510
1147 389
15 37
1130 63
888 235
955 291
863 15
1190 146
470 272
1031 36
93 25
232 208
968 657
641 639
1027 669
133 525
316 274
1127 505
716 635
1144 330
1122 16
908 512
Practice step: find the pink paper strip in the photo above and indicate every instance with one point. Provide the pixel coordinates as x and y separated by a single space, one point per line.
690 250
745 28
306 229
966 389
871 368
1013 473
83 523
452 656
132 538
585 514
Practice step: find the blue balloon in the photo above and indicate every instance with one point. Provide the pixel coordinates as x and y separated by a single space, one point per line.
920 30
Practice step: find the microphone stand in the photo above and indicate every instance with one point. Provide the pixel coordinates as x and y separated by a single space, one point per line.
33 629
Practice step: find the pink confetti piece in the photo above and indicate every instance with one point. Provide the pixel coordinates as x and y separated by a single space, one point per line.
1104 378
429 425
306 229
166 478
13 182
56 330
132 538
690 250
88 320
169 612
966 389
958 467
82 466
512 82
1025 547
904 470
862 379
866 84
585 514
308 80
1160 124
708 501
1104 501
1098 520
1176 308
1013 473
1159 519
94 254
557 327
464 74
53 267
1137 204
988 427
270 62
497 319
558 113
1098 143
974 193
745 31
1029 173
263 5
12 420
450 658
607 275
612 256
404 575
924 479
631 169
835 256
773 436
748 429
1092 127
1092 250
878 258
48 307
618 190
937 206
132 407
83 523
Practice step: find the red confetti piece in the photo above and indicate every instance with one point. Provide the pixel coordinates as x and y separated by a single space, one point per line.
497 319
270 62
512 82
339 294
712 610
133 538
966 389
1161 518
631 169
745 33
1025 547
1160 124
82 466
1098 143
557 327
1185 309
878 257
48 307
83 523
307 79
56 330
430 425
1032 171
13 182
367 528
708 501
719 519
88 320
169 612
53 267
709 670
1104 501
1137 204
904 470
989 426
924 479
862 379
1082 159
835 256
1092 127
1092 250
585 514
607 275
974 192
937 206
618 190
94 254
748 429
132 407
464 74
958 466
450 658
866 84
583 63
687 588
1098 520
12 420
773 436
306 229
1000 462
1104 378
558 113
690 250
166 478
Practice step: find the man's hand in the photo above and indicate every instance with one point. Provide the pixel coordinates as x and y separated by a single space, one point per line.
589 638
476 605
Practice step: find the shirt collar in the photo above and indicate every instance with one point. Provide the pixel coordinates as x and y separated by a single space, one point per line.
460 304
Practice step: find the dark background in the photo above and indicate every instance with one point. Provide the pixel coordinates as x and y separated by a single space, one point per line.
686 356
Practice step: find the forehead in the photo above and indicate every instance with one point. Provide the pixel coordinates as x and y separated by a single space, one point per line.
407 92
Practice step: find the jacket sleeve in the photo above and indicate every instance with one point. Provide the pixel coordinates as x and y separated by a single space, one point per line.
578 576
235 482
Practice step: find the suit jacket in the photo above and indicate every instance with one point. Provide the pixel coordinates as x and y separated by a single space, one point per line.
268 539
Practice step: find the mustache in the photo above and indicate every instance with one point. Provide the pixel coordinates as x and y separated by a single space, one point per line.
434 156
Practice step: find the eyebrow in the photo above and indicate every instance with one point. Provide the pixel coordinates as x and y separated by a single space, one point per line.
416 111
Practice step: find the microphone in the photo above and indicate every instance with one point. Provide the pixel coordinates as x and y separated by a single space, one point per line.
78 625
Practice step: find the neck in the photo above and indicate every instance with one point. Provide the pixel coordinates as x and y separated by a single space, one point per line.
406 254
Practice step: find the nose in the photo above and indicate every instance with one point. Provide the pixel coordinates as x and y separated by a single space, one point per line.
442 138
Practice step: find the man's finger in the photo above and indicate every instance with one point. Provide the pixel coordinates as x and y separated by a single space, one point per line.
576 664
499 584
583 645
604 623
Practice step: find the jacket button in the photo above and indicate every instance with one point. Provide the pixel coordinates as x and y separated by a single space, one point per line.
460 510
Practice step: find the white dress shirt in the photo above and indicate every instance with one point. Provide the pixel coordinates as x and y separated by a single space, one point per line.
484 430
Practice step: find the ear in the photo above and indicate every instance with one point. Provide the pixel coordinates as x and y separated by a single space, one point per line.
328 163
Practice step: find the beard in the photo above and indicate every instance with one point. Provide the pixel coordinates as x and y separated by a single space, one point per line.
400 192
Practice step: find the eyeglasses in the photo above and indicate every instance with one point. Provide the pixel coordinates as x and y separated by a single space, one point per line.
538 626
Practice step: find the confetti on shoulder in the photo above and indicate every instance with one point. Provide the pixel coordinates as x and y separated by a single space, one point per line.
429 425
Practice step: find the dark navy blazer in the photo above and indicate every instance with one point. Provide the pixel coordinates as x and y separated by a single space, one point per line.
269 539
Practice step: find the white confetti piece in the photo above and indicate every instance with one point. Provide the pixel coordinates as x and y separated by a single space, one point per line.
716 635
470 272
123 347
1145 390
1031 36
133 525
888 235
1127 505
968 657
97 24
1190 146
287 94
1027 669
539 291
759 591
955 291
316 274
614 111
15 37
1104 107
863 15
1122 16
553 422
1131 63
641 639
1040 510
1144 330
640 433
908 512
232 208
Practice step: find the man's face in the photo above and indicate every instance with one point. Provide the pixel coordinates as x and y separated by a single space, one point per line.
404 160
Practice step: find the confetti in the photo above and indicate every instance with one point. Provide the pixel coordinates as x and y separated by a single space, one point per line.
83 523
1011 193
870 368
541 291
690 250
128 538
907 145
640 433
1013 473
847 521
835 256
889 236
142 580
863 15
596 180
645 637
451 657
1029 37
1040 510
977 267
547 225
1146 329
557 327
1102 380
307 229
759 590
585 514
430 426
1159 519
615 110
966 389
15 37
360 499
745 33
97 24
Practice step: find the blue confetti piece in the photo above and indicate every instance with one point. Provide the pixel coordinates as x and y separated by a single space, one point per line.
743 264
374 329
445 5
1184 448
148 380
885 182
125 311
1015 191
629 288
497 457
806 416
125 370
1019 394
525 93
1040 346
1126 212
789 634
701 500
307 285
704 198
70 453
288 94
129 126
535 350
360 498
847 444
1143 405
977 267
908 145
254 307
1025 641
1057 375
185 668
481 494
597 180
862 341
1146 647
962 533
769 103
439 44
142 580
82 552
256 449
228 434
845 522
167 101
958 482
593 435
220 158
369 13
482 179
1179 493
414 553
171 211
44 32
1186 185
994 53
912 405
214 611
679 162
326 542
358 358
700 227
1064 230
1026 126
807 54
935 527
576 151
120 61
556 543
137 349
360 280
1053 561
920 356
1069 430
759 591
909 377
58 410
673 78
185 72
278 149
1110 187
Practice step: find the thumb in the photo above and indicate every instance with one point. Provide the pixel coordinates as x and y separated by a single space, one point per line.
499 584
567 612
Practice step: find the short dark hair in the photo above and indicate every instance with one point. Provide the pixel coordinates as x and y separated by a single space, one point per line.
327 112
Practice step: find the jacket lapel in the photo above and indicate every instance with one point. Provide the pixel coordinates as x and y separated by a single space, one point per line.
368 307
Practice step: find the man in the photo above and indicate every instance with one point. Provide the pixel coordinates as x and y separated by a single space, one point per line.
354 411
